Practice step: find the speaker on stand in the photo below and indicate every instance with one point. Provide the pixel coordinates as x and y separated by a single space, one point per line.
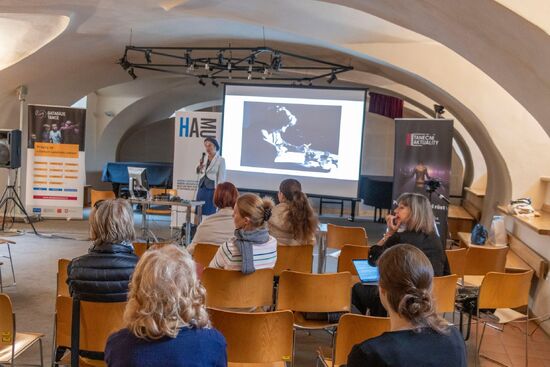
10 159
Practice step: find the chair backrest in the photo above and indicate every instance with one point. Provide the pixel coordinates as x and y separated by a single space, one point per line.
204 253
505 290
140 248
62 286
354 329
444 293
7 326
258 337
233 289
330 292
63 321
338 236
481 260
296 258
98 320
457 260
97 195
160 191
349 253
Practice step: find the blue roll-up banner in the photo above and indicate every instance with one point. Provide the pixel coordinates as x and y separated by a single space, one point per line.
422 163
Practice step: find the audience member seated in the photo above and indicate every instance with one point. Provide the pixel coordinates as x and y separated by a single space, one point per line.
166 319
412 223
103 274
219 227
293 221
251 247
418 336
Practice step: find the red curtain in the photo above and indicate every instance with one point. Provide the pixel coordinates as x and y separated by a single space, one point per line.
388 106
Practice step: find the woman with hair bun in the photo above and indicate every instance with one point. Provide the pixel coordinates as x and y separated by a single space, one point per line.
252 247
418 336
293 221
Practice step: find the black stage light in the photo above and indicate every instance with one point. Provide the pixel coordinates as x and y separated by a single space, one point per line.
215 83
331 78
148 56
131 73
201 82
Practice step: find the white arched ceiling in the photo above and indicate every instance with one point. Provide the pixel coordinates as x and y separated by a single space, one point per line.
82 59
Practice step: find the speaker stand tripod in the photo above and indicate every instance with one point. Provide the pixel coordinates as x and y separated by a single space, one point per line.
10 194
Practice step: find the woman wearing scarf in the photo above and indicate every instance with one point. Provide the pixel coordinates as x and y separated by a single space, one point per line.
252 247
211 173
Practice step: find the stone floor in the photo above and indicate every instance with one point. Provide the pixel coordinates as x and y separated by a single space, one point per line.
35 260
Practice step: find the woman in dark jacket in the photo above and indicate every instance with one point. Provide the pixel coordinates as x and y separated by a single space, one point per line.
103 274
412 223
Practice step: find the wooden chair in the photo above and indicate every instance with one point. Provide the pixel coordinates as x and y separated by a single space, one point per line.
235 290
97 195
140 248
1 283
62 328
98 320
161 209
295 258
338 236
482 260
348 254
12 343
444 293
353 329
457 260
259 337
503 292
303 292
6 242
204 253
62 286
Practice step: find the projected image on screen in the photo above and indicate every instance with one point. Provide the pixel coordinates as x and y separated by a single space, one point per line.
291 136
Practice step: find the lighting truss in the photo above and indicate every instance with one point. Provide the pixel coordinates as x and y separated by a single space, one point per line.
230 63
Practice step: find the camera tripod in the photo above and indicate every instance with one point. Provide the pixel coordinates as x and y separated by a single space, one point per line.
10 194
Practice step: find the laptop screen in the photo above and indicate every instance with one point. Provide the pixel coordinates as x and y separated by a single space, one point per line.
367 273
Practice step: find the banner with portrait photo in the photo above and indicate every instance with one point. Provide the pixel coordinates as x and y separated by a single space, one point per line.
191 128
422 163
56 174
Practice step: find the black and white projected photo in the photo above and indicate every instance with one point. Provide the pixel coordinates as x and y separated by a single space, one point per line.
300 137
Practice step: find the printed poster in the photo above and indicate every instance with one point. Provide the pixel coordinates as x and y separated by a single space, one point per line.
56 174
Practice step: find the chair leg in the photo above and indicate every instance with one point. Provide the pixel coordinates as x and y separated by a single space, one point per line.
1 284
11 263
527 338
41 352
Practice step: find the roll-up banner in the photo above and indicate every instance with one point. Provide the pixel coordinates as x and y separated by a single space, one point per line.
55 161
191 128
422 164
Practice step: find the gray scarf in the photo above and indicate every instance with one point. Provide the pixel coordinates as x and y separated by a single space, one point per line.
244 241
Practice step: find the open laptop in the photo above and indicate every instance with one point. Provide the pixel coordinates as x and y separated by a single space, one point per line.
367 273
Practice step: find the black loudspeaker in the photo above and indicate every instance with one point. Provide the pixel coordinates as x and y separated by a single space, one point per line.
10 148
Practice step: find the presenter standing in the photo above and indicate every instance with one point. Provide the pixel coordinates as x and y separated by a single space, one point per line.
211 173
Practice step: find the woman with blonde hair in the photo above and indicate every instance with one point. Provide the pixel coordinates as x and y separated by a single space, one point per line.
251 247
293 221
418 336
166 319
413 223
103 274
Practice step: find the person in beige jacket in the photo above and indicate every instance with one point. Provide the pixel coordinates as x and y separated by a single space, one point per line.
293 221
218 227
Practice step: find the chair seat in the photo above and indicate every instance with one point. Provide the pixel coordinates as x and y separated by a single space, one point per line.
301 323
87 362
22 342
473 280
506 315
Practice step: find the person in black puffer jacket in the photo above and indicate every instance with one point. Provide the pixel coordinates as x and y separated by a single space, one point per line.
103 274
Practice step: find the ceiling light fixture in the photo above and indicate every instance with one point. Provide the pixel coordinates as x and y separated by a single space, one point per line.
131 73
215 83
201 82
238 63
